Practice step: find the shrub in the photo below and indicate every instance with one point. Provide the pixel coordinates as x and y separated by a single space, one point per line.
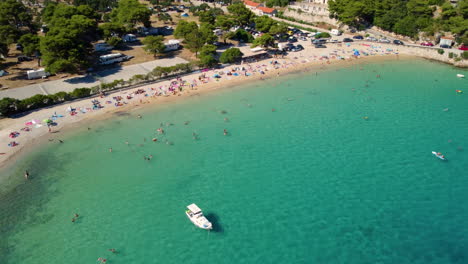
451 55
35 101
464 55
440 51
115 41
80 92
231 55
322 35
9 106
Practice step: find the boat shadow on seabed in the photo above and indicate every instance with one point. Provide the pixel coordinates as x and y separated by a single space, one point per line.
214 219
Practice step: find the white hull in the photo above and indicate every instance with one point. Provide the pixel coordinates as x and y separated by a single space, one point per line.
460 76
201 224
438 156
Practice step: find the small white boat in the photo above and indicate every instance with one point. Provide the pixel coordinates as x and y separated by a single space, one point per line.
439 155
460 76
194 213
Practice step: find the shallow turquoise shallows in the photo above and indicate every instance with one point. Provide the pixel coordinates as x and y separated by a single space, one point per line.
327 168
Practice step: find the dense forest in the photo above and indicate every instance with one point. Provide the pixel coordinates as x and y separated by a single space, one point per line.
405 17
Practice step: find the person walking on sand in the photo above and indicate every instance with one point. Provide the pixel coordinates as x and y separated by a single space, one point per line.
110 149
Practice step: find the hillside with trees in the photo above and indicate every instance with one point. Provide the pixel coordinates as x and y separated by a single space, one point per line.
405 17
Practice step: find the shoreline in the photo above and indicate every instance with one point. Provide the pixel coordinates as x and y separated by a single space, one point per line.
65 125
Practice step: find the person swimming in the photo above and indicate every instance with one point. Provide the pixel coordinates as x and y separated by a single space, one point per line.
225 132
26 175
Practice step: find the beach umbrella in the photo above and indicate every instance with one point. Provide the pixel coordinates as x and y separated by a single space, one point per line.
35 121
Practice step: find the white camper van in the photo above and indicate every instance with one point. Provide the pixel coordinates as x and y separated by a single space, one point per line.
36 74
113 58
335 32
172 44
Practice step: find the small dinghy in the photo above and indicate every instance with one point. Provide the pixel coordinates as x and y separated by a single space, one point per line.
439 155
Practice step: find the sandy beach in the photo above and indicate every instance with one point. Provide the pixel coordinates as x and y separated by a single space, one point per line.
32 130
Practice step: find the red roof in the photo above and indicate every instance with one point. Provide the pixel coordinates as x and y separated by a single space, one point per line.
266 9
251 3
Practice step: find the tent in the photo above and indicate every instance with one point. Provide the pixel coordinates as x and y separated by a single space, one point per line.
3 73
184 15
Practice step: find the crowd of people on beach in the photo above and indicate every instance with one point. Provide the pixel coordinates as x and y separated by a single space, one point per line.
180 85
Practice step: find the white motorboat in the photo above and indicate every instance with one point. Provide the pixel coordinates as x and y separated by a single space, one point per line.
194 213
460 76
439 155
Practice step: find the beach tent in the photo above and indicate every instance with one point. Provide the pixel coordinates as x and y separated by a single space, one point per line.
3 73
184 15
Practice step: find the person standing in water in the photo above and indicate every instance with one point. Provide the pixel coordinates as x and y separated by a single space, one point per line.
26 175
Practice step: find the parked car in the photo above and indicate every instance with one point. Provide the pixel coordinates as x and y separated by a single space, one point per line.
288 46
445 46
319 41
292 39
299 47
302 38
318 46
358 37
334 40
398 42
463 47
347 40
427 44
371 39
24 58
384 40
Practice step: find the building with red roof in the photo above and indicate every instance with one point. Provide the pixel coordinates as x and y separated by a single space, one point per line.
259 9
267 11
251 4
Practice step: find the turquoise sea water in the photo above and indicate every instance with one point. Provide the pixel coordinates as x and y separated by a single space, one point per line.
311 182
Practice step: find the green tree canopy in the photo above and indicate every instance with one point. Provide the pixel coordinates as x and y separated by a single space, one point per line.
266 40
184 28
3 49
66 47
208 50
112 29
241 14
231 55
243 36
264 23
99 5
407 17
278 28
16 14
224 22
154 45
130 13
208 61
30 43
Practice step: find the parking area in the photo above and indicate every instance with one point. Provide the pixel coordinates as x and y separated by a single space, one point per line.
105 76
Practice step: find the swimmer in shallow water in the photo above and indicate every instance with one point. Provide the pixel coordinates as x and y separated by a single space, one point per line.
26 175
225 132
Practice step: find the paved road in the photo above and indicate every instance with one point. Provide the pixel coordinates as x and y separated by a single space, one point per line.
106 76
